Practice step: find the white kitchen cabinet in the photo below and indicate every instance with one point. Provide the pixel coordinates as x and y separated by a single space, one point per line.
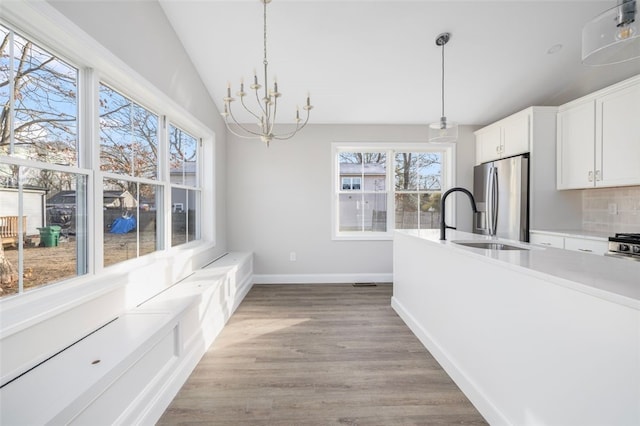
546 240
504 138
571 240
576 146
598 142
488 144
586 245
618 158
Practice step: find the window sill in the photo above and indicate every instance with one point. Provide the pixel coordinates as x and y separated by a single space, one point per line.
361 237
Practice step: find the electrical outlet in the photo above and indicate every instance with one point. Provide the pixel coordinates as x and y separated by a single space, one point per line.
292 256
613 208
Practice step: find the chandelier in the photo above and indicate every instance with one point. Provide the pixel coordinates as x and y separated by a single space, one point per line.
267 106
443 130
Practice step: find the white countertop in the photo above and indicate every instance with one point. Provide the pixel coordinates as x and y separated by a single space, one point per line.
580 233
610 278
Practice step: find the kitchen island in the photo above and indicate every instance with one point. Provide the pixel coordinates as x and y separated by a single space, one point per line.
538 336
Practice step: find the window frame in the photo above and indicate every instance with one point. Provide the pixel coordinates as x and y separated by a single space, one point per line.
390 148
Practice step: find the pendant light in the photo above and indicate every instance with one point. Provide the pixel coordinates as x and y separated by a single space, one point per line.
443 130
613 36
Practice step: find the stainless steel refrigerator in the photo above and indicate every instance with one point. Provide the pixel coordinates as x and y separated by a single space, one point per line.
501 191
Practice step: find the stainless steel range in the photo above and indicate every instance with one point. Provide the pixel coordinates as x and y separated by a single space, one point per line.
625 245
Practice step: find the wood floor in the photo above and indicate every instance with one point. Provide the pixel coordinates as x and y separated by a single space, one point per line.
318 355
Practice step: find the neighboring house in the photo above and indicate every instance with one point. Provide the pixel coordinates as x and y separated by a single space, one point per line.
352 175
62 200
364 210
183 176
111 200
33 206
119 200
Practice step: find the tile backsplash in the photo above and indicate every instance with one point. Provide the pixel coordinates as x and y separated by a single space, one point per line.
611 209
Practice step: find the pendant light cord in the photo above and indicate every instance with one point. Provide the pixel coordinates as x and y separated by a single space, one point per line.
443 79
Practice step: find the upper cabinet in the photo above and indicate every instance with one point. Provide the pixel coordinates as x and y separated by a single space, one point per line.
598 143
576 145
504 138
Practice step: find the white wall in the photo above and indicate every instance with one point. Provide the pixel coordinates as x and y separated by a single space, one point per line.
139 33
280 202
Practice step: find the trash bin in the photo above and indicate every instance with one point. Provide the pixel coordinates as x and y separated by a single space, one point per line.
50 235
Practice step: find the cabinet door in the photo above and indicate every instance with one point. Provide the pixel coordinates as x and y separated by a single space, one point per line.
515 135
488 144
546 240
586 245
618 156
576 146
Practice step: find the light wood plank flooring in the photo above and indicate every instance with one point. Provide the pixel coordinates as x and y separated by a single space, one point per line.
318 355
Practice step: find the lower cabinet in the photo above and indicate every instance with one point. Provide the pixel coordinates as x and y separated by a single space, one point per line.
547 240
586 245
595 245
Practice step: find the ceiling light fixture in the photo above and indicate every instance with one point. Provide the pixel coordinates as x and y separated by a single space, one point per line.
267 106
612 37
443 130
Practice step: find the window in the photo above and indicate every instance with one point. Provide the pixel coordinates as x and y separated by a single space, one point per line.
48 171
382 187
185 191
363 201
43 191
38 94
418 188
132 201
351 183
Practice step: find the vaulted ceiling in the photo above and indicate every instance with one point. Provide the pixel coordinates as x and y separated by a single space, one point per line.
377 62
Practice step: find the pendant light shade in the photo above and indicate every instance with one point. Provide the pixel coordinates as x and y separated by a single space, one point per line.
613 36
443 130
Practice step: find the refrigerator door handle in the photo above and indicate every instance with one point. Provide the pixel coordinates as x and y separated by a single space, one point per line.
492 201
488 198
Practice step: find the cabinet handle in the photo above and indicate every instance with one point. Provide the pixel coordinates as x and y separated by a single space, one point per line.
497 150
587 250
591 176
598 175
546 244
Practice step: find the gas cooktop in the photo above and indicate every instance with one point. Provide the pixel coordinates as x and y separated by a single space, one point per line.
626 245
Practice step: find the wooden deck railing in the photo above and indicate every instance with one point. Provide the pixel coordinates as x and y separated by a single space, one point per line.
9 228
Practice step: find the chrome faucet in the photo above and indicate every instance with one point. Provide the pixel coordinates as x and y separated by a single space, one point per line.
443 225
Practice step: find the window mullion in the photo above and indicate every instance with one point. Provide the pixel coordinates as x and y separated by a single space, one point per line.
391 191
12 98
164 228
89 225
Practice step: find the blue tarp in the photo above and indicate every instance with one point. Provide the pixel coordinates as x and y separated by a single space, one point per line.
122 225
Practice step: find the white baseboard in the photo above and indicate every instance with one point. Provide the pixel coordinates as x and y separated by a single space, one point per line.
321 278
471 390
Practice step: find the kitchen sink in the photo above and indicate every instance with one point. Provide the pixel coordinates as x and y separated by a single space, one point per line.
489 245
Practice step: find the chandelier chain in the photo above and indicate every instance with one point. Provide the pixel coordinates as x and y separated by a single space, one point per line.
264 33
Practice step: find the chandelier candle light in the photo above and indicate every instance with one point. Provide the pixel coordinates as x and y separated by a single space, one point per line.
267 106
443 130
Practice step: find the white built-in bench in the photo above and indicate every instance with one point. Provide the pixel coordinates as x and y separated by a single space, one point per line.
128 371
